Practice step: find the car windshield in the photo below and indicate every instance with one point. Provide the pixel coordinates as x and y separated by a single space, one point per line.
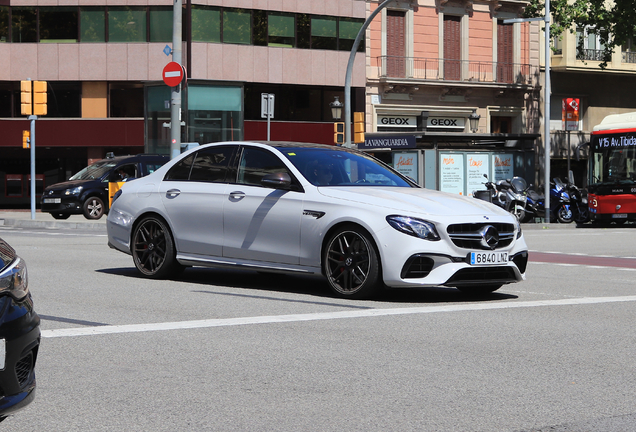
94 171
327 167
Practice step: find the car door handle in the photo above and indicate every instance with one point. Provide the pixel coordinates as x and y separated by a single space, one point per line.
173 193
237 195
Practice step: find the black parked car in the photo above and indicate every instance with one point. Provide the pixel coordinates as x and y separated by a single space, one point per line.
87 191
19 334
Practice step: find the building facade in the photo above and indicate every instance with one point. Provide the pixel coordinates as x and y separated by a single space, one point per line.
600 92
103 62
432 66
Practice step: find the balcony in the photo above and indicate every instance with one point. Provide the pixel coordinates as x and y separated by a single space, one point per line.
629 57
591 54
420 68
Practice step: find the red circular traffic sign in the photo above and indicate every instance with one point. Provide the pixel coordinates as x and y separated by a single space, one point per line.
172 74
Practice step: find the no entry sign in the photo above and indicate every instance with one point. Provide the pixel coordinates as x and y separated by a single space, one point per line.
172 74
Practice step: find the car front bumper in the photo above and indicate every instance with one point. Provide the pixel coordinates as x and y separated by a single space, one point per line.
71 205
20 330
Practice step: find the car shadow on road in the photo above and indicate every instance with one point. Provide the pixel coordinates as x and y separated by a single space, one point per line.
309 285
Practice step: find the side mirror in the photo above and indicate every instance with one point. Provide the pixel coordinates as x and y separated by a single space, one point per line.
281 180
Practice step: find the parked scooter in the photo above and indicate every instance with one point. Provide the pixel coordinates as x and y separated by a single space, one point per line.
508 194
567 203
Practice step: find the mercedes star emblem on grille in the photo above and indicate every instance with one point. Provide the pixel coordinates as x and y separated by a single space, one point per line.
489 237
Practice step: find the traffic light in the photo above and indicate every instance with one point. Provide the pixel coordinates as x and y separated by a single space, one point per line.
358 127
39 98
338 133
26 139
25 98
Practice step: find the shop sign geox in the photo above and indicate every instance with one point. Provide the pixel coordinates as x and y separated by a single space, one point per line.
392 142
446 123
397 121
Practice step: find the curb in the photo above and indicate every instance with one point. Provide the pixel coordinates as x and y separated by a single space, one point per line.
22 223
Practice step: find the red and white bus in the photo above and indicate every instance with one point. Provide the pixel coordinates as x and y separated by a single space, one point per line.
612 169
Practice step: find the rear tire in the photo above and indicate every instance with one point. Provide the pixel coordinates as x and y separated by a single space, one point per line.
350 263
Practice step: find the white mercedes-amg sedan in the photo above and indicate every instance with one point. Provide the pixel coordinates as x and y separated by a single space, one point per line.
312 209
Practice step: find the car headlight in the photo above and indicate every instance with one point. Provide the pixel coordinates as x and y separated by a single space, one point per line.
413 226
74 191
14 279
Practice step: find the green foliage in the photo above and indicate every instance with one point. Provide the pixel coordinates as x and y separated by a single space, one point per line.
613 21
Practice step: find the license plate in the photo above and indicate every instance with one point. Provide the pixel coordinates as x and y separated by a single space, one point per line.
619 216
488 258
52 200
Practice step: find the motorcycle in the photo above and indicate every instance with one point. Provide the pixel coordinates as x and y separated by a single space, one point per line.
567 203
508 194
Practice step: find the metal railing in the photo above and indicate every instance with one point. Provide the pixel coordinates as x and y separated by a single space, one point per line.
629 57
456 70
590 54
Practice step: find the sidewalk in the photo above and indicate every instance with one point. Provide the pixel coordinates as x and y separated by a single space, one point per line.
22 218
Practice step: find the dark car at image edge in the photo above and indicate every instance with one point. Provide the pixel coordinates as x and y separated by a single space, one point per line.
86 192
19 334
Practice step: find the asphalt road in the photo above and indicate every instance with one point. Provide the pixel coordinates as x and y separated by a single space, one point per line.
221 350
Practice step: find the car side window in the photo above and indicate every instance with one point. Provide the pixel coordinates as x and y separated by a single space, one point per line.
181 170
125 172
255 163
211 164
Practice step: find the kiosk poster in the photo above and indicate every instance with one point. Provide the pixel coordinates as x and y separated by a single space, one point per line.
503 166
452 173
476 166
406 163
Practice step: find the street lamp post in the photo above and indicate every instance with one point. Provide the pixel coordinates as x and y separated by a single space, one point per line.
546 97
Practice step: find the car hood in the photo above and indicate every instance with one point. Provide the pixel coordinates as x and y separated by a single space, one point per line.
71 184
414 200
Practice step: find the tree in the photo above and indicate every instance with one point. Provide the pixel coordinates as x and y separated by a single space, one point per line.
614 22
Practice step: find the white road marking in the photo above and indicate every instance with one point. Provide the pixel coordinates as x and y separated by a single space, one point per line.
367 313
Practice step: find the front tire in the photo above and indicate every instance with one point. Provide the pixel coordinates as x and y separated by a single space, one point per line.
93 208
564 215
153 249
350 263
60 215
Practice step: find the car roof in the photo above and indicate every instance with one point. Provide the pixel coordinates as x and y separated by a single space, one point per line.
134 157
286 145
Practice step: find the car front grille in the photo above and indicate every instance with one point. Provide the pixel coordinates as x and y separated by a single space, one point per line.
468 236
24 368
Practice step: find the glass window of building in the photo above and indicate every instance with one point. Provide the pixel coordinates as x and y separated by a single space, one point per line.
64 99
160 24
215 113
206 24
126 100
23 24
237 26
281 29
58 24
303 31
324 33
126 24
259 27
92 24
4 23
348 29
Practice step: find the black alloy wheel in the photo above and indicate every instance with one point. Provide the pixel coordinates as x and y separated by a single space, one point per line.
351 264
153 250
94 208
